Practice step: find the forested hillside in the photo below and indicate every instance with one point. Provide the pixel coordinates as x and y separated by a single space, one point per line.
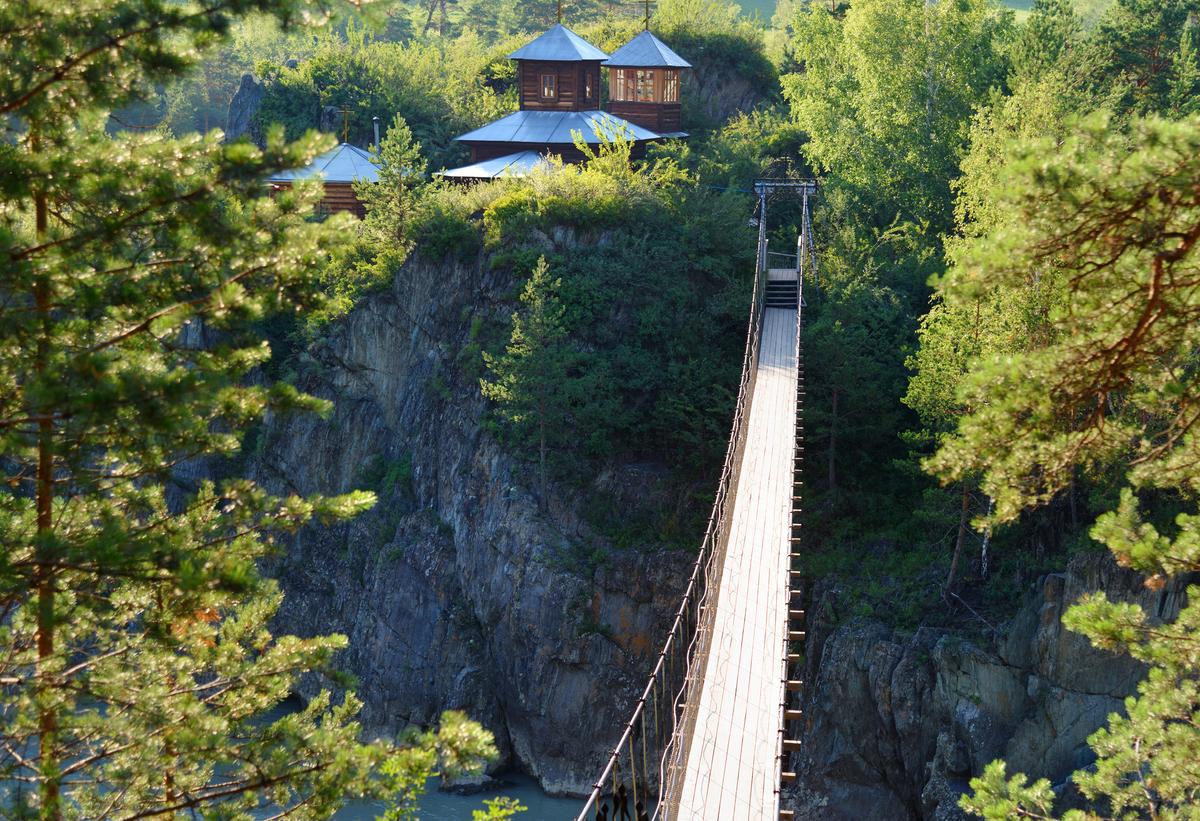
478 430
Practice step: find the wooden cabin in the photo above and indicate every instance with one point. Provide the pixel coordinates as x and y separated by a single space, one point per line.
339 169
644 83
559 80
559 71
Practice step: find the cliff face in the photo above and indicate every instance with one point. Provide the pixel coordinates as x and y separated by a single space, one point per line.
456 591
897 725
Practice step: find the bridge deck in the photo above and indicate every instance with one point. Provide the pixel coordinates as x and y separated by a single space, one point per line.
731 771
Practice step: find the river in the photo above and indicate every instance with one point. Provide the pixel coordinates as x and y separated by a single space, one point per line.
440 806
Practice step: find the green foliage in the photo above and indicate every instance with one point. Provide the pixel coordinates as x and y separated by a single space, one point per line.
651 303
458 746
498 809
1183 96
998 799
378 246
1129 61
856 331
391 201
746 147
1058 222
529 382
887 91
710 34
1109 221
138 660
440 90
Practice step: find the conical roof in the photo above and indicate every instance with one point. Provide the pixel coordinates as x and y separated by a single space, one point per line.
345 163
646 51
558 44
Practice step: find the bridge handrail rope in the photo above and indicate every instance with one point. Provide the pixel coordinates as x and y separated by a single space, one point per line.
664 718
689 630
805 252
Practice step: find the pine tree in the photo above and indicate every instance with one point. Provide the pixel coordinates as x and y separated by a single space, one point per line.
1132 49
1184 94
136 660
1111 221
1052 29
529 380
391 200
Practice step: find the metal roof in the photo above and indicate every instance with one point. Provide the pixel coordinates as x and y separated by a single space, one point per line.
560 44
345 163
556 128
646 51
519 164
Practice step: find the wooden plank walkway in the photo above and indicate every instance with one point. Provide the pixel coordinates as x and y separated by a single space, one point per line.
732 772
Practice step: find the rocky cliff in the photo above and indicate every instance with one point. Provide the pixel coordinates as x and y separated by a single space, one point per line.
896 725
457 591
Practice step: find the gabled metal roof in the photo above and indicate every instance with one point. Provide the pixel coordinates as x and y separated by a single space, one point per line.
556 128
558 44
520 164
646 51
345 163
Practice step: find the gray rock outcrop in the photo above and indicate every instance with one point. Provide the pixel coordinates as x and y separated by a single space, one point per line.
242 108
896 725
457 591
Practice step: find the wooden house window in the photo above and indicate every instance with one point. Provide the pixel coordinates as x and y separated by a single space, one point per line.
671 87
588 91
645 86
549 86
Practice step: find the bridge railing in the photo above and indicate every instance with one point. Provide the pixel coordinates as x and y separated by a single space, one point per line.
643 775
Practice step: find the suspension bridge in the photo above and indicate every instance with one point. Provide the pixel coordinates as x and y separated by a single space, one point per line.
713 731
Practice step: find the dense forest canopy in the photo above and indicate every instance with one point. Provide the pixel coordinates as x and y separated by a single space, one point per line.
1000 341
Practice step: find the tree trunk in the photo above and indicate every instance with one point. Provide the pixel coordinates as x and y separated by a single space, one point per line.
542 454
1074 504
983 548
930 87
833 422
962 537
44 574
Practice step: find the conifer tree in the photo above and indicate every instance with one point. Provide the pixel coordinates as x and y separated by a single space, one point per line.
1184 94
1111 220
528 381
136 660
1131 66
391 200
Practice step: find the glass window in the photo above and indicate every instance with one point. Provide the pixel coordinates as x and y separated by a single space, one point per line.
587 84
549 86
645 86
671 87
618 85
